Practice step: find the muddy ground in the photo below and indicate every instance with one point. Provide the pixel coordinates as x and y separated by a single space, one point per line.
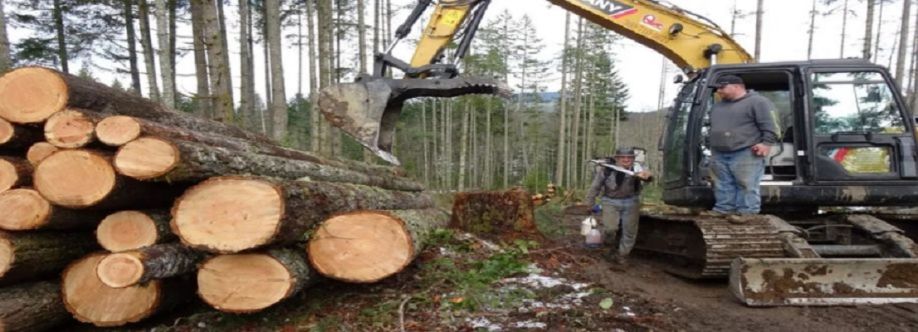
465 283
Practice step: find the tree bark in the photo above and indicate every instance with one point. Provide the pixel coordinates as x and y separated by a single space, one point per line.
844 30
494 214
369 245
130 230
323 16
361 36
91 301
14 172
31 256
255 212
811 32
247 68
71 128
146 264
203 101
32 306
315 124
165 63
560 156
876 43
278 94
464 145
251 282
903 43
25 209
578 105
84 179
15 138
58 14
5 61
146 42
218 69
132 45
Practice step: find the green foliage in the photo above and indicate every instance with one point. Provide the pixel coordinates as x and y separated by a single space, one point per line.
548 219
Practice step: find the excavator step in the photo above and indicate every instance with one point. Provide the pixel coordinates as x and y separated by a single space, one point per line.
822 281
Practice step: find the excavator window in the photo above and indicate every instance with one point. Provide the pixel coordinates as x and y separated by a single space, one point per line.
676 135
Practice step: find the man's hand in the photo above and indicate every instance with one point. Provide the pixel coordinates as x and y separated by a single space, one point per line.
644 175
761 149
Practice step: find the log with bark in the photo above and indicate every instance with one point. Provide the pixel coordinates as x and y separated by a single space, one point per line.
25 209
28 256
91 301
243 283
39 151
17 137
129 230
14 172
159 261
32 307
369 245
152 158
230 214
501 214
70 128
84 178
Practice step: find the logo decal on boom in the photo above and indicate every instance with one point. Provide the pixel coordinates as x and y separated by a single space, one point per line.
612 8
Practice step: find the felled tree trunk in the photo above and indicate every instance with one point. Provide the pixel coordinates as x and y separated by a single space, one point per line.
32 307
14 172
506 214
17 137
91 301
27 256
151 158
83 178
71 128
367 246
39 151
160 261
244 283
25 209
231 214
129 230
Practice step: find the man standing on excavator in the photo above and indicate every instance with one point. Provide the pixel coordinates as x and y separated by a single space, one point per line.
619 186
742 130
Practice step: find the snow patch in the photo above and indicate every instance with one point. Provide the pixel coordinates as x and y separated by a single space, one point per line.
483 323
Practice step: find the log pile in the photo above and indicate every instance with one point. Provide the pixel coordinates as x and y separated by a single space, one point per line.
114 208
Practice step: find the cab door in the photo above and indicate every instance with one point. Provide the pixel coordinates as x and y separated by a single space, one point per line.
859 129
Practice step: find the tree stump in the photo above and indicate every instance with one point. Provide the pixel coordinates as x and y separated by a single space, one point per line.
506 214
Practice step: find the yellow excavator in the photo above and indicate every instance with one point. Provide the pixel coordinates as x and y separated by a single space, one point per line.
846 140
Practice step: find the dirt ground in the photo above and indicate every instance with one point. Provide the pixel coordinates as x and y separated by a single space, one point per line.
564 287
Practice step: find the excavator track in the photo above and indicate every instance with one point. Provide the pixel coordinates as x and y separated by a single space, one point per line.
703 247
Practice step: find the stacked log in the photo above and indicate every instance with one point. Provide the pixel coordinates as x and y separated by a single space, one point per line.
173 197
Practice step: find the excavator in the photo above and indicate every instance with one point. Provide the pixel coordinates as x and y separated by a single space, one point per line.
848 145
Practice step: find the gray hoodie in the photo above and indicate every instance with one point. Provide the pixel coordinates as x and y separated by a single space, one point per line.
739 124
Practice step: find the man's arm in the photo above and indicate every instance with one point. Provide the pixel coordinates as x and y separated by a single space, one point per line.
765 119
595 186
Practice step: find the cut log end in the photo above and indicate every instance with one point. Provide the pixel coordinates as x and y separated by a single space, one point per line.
7 256
228 214
91 301
126 230
69 129
6 131
9 175
74 178
39 151
118 130
120 270
23 209
146 158
244 283
31 95
362 246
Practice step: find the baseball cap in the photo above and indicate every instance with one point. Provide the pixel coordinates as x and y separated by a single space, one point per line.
727 79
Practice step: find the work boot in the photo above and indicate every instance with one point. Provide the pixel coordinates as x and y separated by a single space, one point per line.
744 218
712 213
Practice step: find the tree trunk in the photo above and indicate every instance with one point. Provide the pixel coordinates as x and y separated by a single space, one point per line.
903 43
278 95
58 14
146 264
578 105
91 301
246 67
25 209
14 138
844 30
129 230
464 145
560 156
203 102
494 214
811 32
361 36
165 64
368 246
324 21
14 172
171 161
758 30
315 124
489 146
83 179
39 151
251 282
31 256
5 61
146 42
71 128
218 69
256 212
876 44
868 31
32 307
132 46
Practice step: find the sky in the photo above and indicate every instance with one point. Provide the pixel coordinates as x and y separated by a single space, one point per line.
784 38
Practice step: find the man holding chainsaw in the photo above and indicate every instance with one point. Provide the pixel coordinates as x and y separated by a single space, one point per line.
618 183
